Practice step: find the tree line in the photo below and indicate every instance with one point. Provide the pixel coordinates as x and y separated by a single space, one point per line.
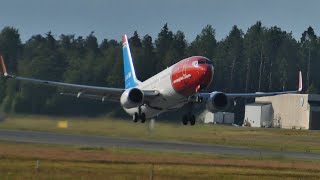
260 59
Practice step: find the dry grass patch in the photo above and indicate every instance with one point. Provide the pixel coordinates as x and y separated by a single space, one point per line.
87 154
18 161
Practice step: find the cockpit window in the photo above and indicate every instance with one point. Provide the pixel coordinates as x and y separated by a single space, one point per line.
209 62
204 61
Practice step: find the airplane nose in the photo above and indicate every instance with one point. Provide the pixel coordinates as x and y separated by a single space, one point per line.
206 69
207 74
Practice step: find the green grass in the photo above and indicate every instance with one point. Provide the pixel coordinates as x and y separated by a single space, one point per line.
260 138
18 161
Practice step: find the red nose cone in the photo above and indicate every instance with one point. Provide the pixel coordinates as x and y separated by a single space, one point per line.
207 76
191 75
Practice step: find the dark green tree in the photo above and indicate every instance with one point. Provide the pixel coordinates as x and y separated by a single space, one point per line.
205 43
309 56
135 40
230 61
91 44
179 45
163 45
254 54
10 49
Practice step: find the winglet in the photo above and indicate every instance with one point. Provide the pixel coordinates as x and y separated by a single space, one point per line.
300 82
4 69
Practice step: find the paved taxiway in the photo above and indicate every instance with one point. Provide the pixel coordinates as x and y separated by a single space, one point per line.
102 141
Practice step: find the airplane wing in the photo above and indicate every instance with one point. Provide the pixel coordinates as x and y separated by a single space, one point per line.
258 94
83 91
262 94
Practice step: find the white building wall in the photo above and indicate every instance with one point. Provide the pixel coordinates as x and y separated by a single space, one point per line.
253 115
290 110
266 115
218 117
208 117
228 118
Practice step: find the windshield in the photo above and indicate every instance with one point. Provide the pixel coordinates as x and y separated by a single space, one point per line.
204 61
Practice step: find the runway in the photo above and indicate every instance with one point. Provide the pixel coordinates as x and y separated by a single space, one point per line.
108 142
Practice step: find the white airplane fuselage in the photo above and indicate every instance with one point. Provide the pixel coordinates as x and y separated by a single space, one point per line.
175 84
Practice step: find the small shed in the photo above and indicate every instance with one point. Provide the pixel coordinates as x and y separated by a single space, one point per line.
258 115
219 117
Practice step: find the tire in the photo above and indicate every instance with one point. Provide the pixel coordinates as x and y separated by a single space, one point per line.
192 120
185 120
135 117
199 99
143 117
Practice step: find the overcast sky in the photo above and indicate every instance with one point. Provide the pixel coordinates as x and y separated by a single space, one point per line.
111 18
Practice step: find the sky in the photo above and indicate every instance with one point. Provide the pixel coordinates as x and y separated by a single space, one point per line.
111 18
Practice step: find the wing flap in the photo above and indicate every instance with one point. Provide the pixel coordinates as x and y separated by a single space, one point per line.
92 97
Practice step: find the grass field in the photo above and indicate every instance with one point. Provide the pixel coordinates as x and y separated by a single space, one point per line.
260 138
30 161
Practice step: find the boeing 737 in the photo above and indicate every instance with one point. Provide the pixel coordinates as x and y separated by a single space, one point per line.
182 83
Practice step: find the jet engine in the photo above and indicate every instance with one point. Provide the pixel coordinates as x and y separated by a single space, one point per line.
217 101
131 98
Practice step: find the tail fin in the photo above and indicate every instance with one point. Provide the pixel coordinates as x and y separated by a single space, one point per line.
130 78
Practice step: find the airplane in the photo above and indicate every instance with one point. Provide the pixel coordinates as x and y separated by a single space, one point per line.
182 83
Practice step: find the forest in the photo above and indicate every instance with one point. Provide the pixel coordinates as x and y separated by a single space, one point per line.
258 59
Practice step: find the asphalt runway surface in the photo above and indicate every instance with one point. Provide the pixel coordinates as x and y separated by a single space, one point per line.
108 142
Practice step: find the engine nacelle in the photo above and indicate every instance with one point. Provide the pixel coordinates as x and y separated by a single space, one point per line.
131 98
217 101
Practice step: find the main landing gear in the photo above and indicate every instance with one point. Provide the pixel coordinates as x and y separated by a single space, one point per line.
189 118
139 115
136 117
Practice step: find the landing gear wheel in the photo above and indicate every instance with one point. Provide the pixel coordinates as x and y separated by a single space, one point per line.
185 120
192 120
199 99
135 117
143 117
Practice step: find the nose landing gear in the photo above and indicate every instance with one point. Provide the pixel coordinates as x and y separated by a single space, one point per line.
189 118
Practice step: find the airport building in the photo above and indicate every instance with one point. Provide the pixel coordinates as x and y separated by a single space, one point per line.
290 111
217 117
258 115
